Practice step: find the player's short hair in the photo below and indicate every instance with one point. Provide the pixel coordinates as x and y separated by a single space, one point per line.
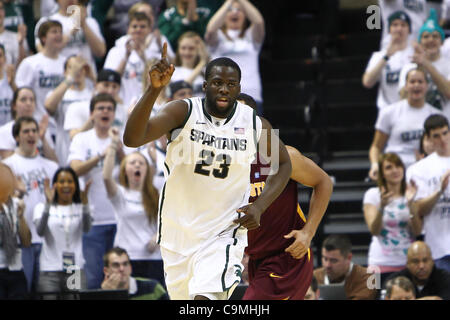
221 62
100 98
18 125
435 121
339 242
401 282
118 251
45 26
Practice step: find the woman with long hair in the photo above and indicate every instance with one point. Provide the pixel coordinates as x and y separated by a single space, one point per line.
190 61
389 216
237 31
135 200
61 221
23 104
399 126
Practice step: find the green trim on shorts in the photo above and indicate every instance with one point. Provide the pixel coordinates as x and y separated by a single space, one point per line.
224 287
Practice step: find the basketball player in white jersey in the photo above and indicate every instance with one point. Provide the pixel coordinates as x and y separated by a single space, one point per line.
203 212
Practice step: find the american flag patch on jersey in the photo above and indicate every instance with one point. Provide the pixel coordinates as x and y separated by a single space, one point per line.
239 130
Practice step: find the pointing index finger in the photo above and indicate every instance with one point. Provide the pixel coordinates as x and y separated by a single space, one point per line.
164 51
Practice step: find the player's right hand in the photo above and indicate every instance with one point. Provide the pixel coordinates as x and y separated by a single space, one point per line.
251 218
161 72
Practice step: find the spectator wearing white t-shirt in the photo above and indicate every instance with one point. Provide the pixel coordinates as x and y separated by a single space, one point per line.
16 42
399 126
432 201
226 35
190 61
78 117
61 220
428 55
6 87
31 169
81 33
388 216
135 199
384 66
129 56
23 104
86 155
74 88
416 10
44 71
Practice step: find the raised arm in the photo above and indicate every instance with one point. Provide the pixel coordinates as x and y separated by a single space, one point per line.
86 213
306 172
47 150
108 163
377 147
216 22
24 231
97 45
442 84
424 206
256 20
275 183
42 223
140 128
371 77
53 100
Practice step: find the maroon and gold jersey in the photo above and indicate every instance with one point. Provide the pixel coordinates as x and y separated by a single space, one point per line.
282 216
273 273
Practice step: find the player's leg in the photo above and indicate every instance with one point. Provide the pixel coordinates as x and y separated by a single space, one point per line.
279 277
178 272
217 267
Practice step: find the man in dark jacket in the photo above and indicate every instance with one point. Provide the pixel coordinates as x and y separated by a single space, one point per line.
429 281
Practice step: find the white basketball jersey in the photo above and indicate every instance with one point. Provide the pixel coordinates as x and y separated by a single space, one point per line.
207 171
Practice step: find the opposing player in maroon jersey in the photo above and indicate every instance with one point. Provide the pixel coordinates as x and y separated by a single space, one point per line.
280 261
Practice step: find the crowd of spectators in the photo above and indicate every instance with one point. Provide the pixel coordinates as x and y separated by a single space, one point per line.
69 79
69 76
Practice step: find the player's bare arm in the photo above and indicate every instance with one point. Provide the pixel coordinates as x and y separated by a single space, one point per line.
275 183
306 172
139 128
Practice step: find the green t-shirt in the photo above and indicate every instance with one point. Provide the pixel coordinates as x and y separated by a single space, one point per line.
171 24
